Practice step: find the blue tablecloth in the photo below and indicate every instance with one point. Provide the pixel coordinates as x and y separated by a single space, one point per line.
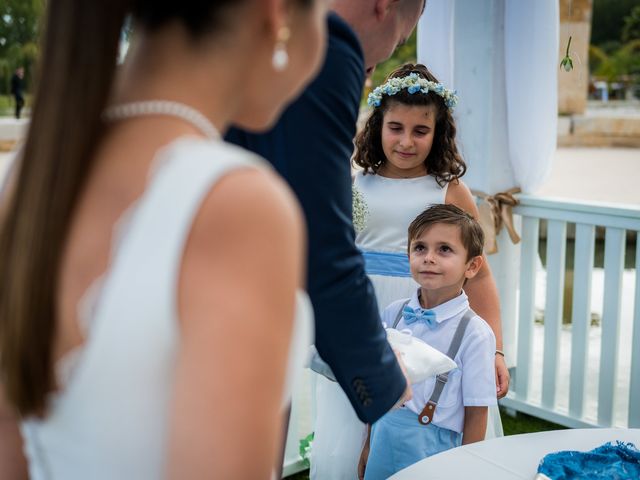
611 461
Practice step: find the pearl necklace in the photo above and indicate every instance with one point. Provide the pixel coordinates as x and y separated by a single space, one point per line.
162 107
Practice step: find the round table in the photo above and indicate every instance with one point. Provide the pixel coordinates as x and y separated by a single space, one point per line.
512 457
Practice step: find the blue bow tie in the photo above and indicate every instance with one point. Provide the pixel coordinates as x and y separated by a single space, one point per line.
412 315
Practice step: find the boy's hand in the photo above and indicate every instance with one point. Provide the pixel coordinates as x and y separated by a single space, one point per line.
364 455
362 463
502 377
475 424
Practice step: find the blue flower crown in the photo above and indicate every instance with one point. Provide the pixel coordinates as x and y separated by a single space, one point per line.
413 83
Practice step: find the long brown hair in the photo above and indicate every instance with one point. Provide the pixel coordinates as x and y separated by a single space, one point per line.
76 72
74 82
444 161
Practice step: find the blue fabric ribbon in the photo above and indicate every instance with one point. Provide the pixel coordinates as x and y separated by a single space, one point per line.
386 264
412 315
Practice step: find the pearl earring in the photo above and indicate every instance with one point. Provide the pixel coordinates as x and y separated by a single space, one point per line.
280 59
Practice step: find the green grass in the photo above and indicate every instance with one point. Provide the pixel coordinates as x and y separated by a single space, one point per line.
304 475
7 105
521 423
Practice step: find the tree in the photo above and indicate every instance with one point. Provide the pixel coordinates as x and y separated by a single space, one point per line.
608 19
19 21
19 29
404 54
631 29
615 52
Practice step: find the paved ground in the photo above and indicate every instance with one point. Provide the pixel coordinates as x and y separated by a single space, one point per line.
599 174
4 160
10 128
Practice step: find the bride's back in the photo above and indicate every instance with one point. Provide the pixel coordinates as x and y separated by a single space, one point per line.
110 413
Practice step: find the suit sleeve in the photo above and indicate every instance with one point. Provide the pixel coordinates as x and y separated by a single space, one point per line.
311 146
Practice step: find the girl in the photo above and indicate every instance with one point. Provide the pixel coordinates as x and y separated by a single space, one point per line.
409 160
142 357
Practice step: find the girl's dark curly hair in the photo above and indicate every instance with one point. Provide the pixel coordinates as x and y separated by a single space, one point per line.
444 161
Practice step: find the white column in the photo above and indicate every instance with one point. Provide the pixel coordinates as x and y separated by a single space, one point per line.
531 71
477 51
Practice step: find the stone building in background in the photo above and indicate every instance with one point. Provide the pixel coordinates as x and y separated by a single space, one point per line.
573 86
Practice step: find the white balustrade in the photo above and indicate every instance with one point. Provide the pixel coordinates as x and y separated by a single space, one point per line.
581 318
556 246
634 387
572 399
530 234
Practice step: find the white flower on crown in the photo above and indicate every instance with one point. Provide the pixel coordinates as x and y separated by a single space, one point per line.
413 83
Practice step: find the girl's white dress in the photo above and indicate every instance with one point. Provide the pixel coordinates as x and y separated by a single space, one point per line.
388 206
383 208
110 418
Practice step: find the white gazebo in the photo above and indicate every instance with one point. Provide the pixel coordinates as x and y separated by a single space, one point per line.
502 57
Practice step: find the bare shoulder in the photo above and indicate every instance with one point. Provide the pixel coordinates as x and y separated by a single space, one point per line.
253 199
241 267
246 237
458 194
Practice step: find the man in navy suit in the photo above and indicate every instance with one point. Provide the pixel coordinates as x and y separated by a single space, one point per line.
311 147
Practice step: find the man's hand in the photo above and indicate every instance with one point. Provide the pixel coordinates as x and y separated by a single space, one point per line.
502 376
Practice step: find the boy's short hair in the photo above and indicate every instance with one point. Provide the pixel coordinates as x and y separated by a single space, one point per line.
471 232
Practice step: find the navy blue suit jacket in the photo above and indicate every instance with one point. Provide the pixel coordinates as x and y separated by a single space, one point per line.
311 147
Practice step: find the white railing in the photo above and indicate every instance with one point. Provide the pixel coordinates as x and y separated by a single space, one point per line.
590 386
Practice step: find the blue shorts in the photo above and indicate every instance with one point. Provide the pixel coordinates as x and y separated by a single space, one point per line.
398 440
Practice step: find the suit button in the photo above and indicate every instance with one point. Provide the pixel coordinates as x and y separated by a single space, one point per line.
367 402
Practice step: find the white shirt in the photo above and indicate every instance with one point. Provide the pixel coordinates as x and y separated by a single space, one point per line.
472 383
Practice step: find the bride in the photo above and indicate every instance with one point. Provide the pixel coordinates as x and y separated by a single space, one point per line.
149 271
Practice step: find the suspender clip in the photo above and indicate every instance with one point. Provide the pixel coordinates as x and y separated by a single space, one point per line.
426 415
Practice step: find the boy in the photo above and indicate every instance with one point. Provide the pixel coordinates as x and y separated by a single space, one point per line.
445 249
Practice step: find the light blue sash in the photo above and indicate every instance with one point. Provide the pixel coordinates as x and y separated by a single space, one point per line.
387 264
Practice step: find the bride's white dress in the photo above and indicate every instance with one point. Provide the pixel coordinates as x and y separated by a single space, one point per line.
383 209
110 418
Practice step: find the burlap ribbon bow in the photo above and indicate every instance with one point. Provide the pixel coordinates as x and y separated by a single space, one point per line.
496 211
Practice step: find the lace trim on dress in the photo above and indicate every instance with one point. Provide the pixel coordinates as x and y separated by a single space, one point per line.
90 300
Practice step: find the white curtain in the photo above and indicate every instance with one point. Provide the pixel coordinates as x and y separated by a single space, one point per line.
531 69
531 35
436 40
